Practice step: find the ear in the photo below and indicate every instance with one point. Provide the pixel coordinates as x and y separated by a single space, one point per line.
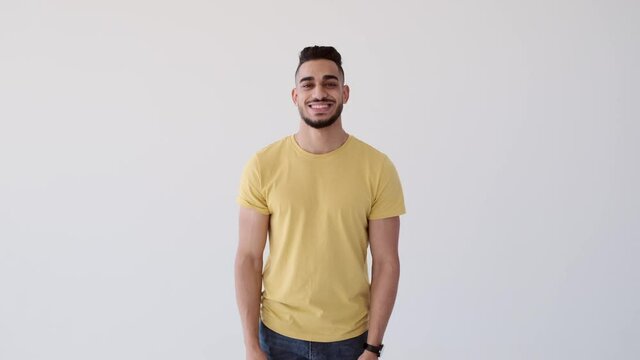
294 96
345 94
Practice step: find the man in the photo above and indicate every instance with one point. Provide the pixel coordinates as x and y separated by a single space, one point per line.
322 196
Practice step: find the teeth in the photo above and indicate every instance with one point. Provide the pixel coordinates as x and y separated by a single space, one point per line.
320 106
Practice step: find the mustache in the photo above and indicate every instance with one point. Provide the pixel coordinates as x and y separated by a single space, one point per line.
326 99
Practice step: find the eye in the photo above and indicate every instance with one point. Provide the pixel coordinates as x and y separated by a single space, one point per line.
331 85
306 86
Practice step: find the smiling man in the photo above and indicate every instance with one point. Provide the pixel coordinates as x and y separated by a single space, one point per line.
322 197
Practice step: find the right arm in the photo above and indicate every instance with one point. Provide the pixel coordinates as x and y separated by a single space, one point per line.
253 230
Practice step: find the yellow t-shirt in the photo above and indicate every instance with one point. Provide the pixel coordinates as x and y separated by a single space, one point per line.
316 283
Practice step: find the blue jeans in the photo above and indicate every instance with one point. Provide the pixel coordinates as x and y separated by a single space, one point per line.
280 347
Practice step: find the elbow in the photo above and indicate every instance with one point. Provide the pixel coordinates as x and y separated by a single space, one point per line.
248 262
389 265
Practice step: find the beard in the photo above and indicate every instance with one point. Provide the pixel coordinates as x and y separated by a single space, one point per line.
319 124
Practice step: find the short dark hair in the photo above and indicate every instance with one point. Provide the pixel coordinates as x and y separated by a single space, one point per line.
321 52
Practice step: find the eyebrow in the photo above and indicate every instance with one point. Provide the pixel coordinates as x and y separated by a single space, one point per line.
326 77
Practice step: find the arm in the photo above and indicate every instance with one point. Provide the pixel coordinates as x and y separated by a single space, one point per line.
385 274
248 275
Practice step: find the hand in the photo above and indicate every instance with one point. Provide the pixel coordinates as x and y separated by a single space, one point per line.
256 354
368 355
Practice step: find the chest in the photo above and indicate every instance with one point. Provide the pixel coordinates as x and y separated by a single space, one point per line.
320 188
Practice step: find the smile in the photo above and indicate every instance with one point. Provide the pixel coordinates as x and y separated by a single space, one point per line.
320 106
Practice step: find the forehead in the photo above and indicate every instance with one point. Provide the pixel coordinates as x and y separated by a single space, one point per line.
317 69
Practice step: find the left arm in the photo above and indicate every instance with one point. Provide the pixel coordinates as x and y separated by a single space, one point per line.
385 274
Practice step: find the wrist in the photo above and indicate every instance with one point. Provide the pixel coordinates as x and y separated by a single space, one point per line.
253 347
376 350
366 355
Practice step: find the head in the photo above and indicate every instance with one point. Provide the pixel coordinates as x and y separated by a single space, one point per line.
320 91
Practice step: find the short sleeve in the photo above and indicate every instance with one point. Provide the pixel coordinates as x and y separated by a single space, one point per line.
251 194
388 200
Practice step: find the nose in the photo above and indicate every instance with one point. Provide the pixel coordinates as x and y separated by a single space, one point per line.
319 92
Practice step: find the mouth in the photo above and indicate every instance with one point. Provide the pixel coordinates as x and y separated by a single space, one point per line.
320 107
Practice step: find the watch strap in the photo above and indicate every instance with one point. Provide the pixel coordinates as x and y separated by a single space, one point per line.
374 349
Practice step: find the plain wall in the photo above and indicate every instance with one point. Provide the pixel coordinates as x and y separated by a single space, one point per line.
124 127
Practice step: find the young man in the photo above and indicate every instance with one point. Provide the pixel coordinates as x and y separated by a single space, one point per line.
322 196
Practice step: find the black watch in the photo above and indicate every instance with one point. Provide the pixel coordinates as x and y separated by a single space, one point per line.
374 349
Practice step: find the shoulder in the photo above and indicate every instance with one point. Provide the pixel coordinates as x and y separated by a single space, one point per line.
275 147
271 152
367 152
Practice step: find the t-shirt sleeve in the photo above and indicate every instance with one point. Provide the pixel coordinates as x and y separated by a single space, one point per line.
389 199
251 193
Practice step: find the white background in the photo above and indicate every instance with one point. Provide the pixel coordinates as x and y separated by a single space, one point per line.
514 125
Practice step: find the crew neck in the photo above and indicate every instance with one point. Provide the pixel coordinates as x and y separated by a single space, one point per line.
310 155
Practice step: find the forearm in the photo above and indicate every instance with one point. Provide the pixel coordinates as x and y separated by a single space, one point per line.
248 277
385 276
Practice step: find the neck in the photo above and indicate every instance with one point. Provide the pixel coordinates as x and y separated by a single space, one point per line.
321 141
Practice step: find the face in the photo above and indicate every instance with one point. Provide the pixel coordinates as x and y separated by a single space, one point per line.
320 93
